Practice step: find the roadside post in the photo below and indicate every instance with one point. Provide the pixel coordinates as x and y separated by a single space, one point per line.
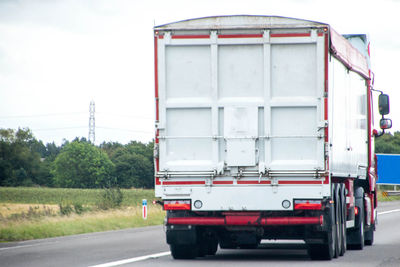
144 209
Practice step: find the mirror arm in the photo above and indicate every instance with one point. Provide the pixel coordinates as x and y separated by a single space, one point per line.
376 90
379 134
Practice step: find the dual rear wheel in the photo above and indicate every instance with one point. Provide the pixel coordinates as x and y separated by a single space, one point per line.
334 244
205 246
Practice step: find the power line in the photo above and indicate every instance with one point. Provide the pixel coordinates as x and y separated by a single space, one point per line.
40 115
126 116
126 130
60 128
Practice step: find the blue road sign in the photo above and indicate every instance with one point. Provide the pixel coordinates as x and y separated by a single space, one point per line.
388 169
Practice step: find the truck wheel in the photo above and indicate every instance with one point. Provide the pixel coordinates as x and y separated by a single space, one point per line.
327 250
358 235
183 251
343 213
212 247
202 249
369 236
227 244
355 236
336 221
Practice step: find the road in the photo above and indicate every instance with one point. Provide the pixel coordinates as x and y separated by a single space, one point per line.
146 247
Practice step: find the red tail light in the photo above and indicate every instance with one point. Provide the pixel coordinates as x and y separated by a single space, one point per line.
176 204
307 205
355 210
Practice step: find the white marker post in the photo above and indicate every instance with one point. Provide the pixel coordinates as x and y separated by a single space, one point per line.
144 209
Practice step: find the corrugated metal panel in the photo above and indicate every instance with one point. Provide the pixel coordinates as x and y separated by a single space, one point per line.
350 56
245 101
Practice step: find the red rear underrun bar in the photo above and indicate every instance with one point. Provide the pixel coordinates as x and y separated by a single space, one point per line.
246 221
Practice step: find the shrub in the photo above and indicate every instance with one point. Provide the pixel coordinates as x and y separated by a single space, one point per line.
65 209
111 198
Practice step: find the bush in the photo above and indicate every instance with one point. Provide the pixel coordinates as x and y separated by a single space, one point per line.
78 208
111 198
65 209
82 165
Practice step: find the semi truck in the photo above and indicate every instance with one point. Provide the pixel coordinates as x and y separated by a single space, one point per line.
264 131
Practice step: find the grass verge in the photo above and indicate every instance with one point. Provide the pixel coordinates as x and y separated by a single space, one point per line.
32 213
30 195
54 226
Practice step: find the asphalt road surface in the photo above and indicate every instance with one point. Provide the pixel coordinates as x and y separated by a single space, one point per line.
147 247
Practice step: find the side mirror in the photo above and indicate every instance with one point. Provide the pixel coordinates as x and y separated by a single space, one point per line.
383 102
385 124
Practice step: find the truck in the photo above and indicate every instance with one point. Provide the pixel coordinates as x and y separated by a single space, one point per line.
264 131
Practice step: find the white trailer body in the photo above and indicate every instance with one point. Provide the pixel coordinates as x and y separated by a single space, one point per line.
261 116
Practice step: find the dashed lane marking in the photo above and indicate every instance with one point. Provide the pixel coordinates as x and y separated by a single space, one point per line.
141 258
389 211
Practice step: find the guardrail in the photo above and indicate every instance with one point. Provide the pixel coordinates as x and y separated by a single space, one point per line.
390 193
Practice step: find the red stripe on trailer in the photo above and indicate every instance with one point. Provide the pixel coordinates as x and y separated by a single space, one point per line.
240 36
290 34
182 182
254 182
198 36
222 182
246 221
300 182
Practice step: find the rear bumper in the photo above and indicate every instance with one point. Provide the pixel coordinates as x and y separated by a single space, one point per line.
245 221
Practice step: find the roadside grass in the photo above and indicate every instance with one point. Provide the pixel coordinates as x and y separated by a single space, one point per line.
31 195
33 213
387 198
96 221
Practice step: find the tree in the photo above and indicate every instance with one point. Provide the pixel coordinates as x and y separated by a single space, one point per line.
110 148
388 143
134 165
19 160
82 165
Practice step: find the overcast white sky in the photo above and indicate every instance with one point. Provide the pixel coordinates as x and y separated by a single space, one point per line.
58 55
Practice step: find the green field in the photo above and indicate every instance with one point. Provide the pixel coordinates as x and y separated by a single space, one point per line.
32 213
30 195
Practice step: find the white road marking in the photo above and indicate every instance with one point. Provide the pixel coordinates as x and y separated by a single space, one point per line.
141 258
389 211
24 246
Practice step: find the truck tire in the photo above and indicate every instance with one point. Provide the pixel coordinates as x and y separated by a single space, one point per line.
343 217
183 251
369 236
327 250
212 247
338 237
356 236
202 249
360 231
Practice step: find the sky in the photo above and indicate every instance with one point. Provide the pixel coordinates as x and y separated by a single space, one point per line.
56 56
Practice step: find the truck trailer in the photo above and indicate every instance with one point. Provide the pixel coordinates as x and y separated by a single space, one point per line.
264 131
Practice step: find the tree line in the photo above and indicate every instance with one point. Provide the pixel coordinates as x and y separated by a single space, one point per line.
26 161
